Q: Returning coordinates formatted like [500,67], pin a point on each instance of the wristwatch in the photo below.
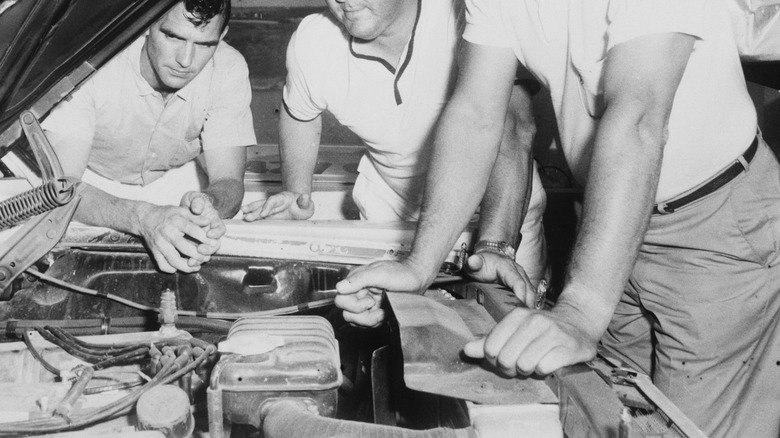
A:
[496,247]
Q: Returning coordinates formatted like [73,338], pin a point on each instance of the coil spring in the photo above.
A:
[41,199]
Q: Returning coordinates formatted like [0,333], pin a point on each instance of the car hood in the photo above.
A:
[48,47]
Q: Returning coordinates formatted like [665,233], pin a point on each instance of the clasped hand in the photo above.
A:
[182,238]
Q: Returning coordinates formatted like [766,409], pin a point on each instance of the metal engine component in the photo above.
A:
[306,367]
[165,408]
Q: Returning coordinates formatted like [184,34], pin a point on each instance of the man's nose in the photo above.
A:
[185,55]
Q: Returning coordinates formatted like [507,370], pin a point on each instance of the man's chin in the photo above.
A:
[174,84]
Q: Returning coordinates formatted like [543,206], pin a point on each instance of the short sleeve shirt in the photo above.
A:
[135,136]
[564,43]
[393,110]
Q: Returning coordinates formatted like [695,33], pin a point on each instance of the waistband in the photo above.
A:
[740,165]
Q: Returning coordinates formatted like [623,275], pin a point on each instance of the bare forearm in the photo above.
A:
[226,196]
[449,203]
[299,145]
[620,190]
[101,209]
[505,204]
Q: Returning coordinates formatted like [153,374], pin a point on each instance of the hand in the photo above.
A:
[284,205]
[179,239]
[488,267]
[360,294]
[531,341]
[208,218]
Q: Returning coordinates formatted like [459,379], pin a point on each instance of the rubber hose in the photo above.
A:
[286,418]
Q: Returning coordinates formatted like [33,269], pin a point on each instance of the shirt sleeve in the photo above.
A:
[483,24]
[300,88]
[229,119]
[70,127]
[630,19]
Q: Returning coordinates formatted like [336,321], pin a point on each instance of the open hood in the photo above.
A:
[48,47]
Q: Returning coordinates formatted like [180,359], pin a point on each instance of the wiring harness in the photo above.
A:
[169,359]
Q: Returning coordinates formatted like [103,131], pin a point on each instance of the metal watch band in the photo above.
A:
[497,247]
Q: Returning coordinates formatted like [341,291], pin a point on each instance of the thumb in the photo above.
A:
[363,277]
[475,349]
[304,201]
[475,262]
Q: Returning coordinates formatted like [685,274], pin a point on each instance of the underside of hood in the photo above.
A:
[48,47]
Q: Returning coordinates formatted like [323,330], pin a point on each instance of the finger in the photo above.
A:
[187,249]
[475,262]
[173,259]
[162,263]
[198,204]
[304,201]
[355,303]
[252,210]
[501,333]
[366,319]
[514,277]
[207,250]
[528,362]
[525,348]
[197,233]
[558,357]
[273,204]
[217,231]
[364,277]
[475,349]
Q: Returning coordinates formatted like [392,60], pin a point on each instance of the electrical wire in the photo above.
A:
[170,372]
[31,348]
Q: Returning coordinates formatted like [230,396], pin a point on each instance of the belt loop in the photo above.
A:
[744,163]
[661,207]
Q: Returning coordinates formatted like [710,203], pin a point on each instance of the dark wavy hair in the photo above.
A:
[204,10]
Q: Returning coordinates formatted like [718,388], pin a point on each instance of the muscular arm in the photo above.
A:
[465,150]
[225,169]
[641,79]
[506,199]
[509,188]
[177,238]
[299,143]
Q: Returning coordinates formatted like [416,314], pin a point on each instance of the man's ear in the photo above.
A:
[224,32]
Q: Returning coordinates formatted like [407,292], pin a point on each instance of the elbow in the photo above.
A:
[652,132]
[519,131]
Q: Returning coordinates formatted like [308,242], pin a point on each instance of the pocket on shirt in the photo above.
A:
[186,152]
[591,87]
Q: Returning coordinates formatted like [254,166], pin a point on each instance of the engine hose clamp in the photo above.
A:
[105,324]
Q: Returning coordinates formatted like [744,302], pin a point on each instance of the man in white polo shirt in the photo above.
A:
[132,133]
[676,264]
[385,69]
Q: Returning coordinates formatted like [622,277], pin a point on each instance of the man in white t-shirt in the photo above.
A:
[385,69]
[132,133]
[675,266]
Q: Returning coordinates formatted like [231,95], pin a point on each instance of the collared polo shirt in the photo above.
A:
[564,43]
[135,135]
[393,110]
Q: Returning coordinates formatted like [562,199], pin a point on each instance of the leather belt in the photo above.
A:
[716,182]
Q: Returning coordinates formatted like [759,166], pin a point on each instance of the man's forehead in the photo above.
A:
[179,20]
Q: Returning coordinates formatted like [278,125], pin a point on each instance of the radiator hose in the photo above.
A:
[287,417]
